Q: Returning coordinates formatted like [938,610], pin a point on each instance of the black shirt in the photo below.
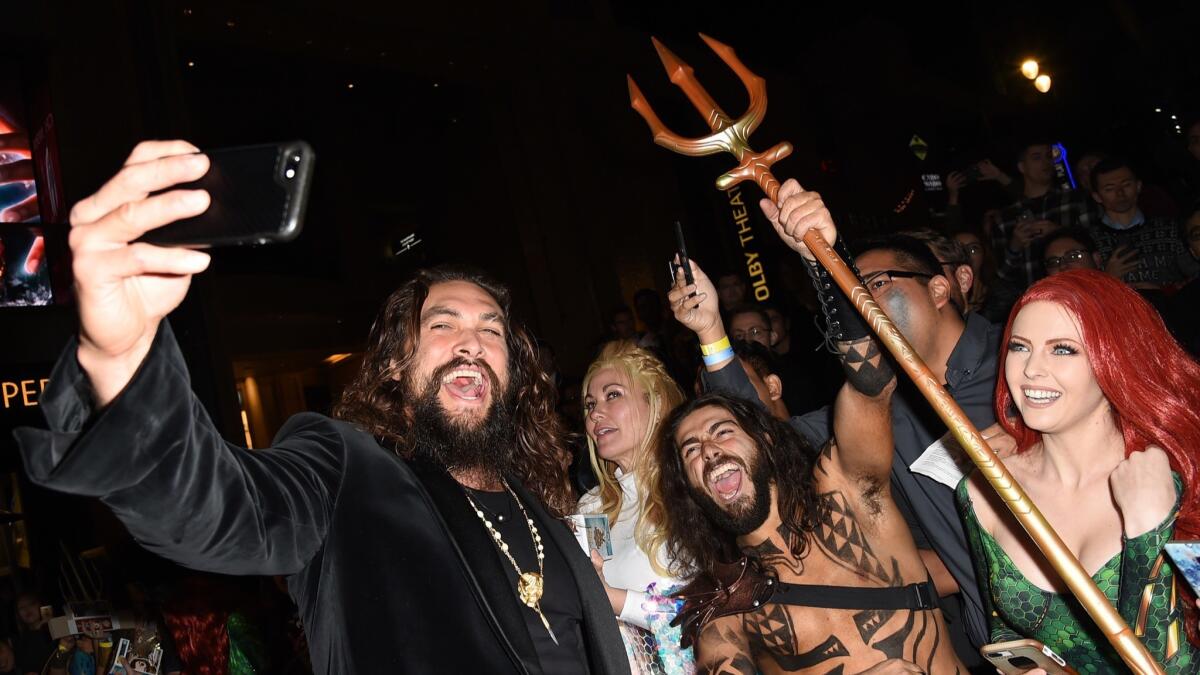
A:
[560,599]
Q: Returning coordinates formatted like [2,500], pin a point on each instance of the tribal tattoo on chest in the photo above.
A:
[771,631]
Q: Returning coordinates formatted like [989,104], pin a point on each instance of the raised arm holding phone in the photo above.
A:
[377,517]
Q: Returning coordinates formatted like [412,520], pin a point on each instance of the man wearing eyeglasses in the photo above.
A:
[751,324]
[912,286]
[1074,249]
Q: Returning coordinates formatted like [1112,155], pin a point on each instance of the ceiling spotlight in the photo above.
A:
[350,86]
[191,64]
[1029,69]
[1158,110]
[1174,117]
[1042,83]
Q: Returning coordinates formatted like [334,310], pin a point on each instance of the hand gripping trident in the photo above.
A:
[732,136]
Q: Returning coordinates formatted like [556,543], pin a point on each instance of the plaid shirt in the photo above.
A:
[1065,208]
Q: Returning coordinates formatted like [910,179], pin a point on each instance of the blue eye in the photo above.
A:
[1016,347]
[1064,350]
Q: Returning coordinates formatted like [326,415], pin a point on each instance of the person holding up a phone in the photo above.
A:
[376,516]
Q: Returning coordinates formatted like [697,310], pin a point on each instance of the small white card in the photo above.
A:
[944,460]
[591,531]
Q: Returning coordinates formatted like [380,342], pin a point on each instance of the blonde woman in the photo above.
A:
[627,394]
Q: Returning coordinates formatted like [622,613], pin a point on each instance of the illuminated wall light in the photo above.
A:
[1174,117]
[1029,69]
[1158,110]
[191,64]
[1042,83]
[350,86]
[246,430]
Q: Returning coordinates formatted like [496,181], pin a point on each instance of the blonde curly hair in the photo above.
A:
[648,377]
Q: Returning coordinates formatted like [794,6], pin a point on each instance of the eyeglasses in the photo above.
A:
[882,280]
[750,333]
[1065,259]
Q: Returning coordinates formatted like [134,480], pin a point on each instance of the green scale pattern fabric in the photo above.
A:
[1018,609]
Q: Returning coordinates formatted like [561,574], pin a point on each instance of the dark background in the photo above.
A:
[500,134]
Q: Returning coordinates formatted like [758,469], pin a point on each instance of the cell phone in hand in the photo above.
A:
[1185,555]
[681,247]
[1020,656]
[258,196]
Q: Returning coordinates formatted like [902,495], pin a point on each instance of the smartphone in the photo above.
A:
[1186,557]
[1019,656]
[259,193]
[681,246]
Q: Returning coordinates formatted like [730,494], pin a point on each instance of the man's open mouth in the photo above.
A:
[725,480]
[466,383]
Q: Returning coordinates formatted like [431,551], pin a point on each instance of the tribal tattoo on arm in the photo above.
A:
[867,369]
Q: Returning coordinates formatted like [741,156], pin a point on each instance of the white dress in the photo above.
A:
[629,568]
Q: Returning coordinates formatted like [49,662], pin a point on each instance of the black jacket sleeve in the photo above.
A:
[155,458]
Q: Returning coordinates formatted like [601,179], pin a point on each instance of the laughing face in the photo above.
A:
[462,345]
[617,414]
[724,471]
[1048,372]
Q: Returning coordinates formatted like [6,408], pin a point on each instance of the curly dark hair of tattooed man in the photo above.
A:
[375,399]
[695,544]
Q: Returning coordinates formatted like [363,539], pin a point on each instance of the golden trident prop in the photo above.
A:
[733,136]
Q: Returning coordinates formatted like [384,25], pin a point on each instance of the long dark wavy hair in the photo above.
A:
[375,399]
[694,544]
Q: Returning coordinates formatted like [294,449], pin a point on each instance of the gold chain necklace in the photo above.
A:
[529,584]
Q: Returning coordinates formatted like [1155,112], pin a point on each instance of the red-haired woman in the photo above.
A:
[1104,405]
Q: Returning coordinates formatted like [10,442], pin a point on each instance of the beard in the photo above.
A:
[482,446]
[746,514]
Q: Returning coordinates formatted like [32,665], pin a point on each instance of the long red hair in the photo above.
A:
[1152,384]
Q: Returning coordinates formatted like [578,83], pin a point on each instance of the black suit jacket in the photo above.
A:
[390,568]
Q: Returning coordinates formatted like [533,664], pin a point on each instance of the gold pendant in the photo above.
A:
[529,588]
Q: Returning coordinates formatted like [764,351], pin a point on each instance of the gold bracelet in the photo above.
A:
[713,348]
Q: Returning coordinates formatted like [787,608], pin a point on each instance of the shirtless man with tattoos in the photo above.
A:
[826,577]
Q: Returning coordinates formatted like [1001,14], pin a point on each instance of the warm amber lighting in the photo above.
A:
[1042,83]
[1029,69]
[334,359]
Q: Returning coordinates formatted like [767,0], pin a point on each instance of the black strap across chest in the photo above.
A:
[913,596]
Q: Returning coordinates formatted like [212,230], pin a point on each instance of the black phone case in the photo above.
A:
[253,202]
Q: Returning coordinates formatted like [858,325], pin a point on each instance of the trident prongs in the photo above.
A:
[732,136]
[728,135]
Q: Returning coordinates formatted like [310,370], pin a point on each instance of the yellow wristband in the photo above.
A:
[715,347]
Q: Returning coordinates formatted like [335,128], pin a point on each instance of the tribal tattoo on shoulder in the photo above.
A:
[773,557]
[867,369]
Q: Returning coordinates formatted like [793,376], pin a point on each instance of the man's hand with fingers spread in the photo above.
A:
[124,289]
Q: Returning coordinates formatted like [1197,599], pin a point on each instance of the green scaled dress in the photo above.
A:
[1140,582]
